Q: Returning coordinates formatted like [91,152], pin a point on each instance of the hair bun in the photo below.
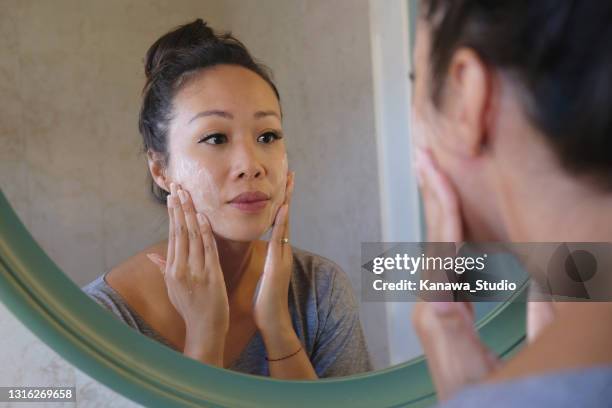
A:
[187,36]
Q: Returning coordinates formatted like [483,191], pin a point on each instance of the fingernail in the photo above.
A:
[152,258]
[183,196]
[201,218]
[170,201]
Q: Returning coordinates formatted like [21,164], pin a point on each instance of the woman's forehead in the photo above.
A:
[228,88]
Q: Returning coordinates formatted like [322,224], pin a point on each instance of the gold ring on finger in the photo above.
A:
[284,241]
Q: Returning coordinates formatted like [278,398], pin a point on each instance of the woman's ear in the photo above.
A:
[468,100]
[157,167]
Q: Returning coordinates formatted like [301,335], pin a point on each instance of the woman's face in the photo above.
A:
[226,149]
[452,135]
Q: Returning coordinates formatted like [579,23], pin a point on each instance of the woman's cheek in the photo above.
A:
[200,184]
[284,165]
[280,186]
[284,174]
[277,201]
[206,192]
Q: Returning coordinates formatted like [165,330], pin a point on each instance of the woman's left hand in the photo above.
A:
[456,356]
[286,356]
[271,311]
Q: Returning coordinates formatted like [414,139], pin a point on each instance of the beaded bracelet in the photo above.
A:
[283,358]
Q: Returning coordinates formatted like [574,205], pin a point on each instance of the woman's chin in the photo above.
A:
[241,234]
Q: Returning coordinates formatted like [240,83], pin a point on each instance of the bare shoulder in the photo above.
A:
[138,280]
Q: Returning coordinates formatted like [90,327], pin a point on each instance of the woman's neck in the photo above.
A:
[555,208]
[234,258]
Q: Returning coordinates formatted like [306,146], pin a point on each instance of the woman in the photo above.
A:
[511,107]
[211,125]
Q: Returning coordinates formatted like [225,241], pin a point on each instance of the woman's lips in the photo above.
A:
[252,207]
[250,202]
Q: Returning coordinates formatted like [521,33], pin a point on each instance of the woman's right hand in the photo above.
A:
[456,357]
[194,279]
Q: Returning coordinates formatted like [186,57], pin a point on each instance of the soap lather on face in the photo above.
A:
[246,152]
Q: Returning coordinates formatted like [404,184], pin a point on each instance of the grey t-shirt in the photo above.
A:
[323,309]
[585,388]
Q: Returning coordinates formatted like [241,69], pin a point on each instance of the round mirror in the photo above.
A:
[72,171]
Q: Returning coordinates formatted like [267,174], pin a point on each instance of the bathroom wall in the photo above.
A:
[70,81]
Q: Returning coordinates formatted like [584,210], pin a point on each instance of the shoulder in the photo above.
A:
[138,281]
[556,389]
[312,267]
[320,274]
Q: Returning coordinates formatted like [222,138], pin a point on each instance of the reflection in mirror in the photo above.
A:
[76,174]
[211,124]
[80,184]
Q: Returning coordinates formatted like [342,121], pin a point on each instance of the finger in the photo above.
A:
[440,199]
[278,231]
[456,315]
[171,234]
[539,315]
[289,186]
[180,236]
[438,182]
[211,253]
[289,197]
[493,359]
[195,247]
[431,207]
[441,188]
[158,261]
[467,313]
[455,353]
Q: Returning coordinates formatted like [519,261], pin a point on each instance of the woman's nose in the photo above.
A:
[246,164]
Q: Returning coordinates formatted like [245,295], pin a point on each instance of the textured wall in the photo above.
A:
[70,79]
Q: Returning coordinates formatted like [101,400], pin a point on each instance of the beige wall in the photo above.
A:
[70,80]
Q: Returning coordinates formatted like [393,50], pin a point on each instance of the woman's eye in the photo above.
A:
[217,138]
[268,137]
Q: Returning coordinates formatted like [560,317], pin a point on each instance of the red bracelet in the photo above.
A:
[282,358]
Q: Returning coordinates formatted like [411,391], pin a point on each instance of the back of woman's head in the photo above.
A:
[169,64]
[559,52]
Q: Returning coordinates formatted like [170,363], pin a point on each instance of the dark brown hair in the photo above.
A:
[561,55]
[169,64]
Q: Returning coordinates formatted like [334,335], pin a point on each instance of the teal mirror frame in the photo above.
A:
[54,308]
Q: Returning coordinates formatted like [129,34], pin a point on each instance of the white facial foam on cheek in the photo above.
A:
[206,195]
[282,188]
[199,183]
[285,164]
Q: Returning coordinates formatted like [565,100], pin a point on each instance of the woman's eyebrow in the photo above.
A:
[227,115]
[263,114]
[220,113]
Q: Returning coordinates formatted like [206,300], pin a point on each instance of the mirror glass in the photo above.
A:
[73,166]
